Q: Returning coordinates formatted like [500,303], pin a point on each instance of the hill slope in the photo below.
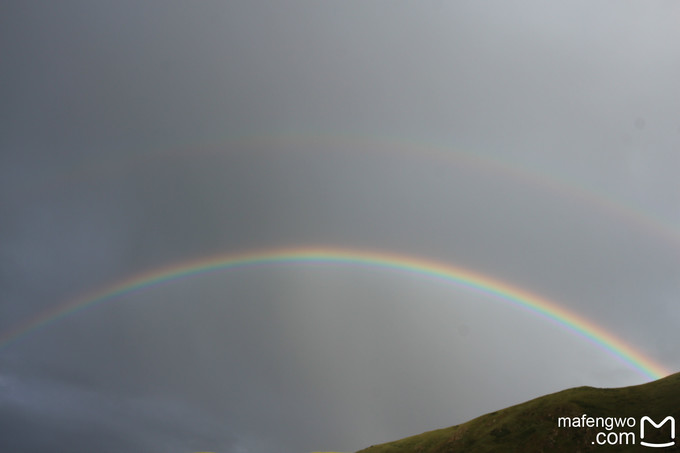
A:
[533,426]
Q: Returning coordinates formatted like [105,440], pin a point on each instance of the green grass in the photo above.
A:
[531,427]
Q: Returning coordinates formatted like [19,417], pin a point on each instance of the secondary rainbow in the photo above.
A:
[401,263]
[418,149]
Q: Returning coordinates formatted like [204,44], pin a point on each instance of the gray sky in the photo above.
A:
[535,143]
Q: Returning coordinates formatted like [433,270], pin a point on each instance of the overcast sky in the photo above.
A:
[537,143]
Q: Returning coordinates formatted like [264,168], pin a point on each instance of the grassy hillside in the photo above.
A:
[533,426]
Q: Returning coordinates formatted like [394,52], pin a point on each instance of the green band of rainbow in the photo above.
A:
[413,265]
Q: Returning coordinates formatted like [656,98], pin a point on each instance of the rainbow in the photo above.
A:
[325,143]
[400,263]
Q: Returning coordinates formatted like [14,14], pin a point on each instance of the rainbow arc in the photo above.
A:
[483,284]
